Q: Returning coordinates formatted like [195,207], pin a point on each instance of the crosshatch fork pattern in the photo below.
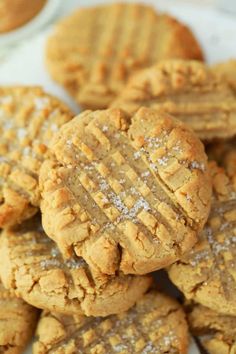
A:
[94,51]
[28,119]
[156,324]
[214,329]
[189,90]
[211,264]
[105,190]
[34,269]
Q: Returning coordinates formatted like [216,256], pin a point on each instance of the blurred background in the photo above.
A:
[212,21]
[22,19]
[38,15]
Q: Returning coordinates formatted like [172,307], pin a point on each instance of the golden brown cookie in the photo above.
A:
[17,322]
[156,324]
[227,70]
[217,333]
[33,267]
[207,273]
[125,194]
[187,89]
[28,119]
[15,13]
[93,51]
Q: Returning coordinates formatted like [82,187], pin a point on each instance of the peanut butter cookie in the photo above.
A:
[17,322]
[217,333]
[32,266]
[93,51]
[187,89]
[227,70]
[28,119]
[156,324]
[207,273]
[125,194]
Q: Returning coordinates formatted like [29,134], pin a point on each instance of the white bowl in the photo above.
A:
[48,12]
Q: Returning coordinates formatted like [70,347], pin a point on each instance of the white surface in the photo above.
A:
[215,30]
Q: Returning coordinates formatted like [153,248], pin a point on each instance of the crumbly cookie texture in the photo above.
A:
[93,51]
[187,89]
[33,267]
[229,163]
[216,332]
[124,194]
[28,119]
[17,322]
[227,70]
[224,152]
[156,324]
[15,13]
[207,273]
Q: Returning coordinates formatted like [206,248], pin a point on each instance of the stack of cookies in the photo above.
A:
[92,204]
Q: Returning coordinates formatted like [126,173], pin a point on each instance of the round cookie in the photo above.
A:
[227,70]
[17,322]
[32,266]
[187,89]
[156,324]
[216,332]
[125,194]
[93,51]
[207,273]
[28,119]
[15,13]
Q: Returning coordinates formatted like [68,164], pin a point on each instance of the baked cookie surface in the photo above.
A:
[207,273]
[156,324]
[33,268]
[125,194]
[17,322]
[187,89]
[227,70]
[216,332]
[28,119]
[93,51]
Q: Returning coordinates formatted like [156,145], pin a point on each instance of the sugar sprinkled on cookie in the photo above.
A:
[155,324]
[32,267]
[28,119]
[133,197]
[207,273]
